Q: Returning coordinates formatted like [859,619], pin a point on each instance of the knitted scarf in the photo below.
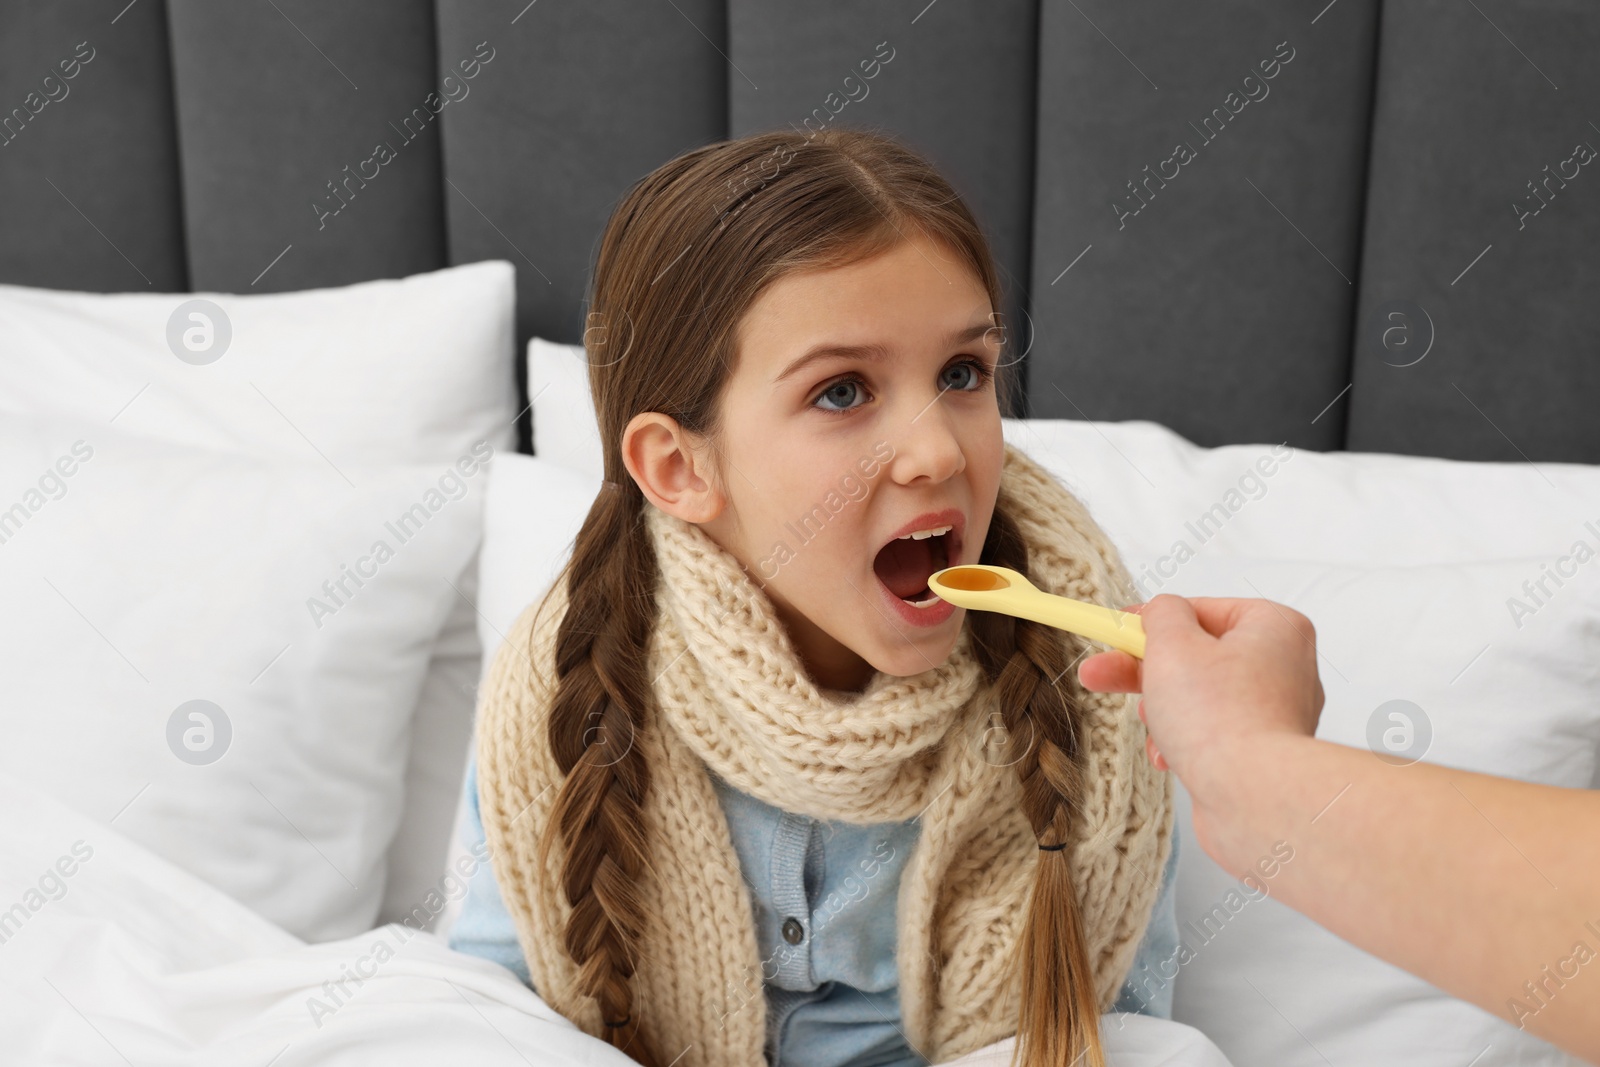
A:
[732,695]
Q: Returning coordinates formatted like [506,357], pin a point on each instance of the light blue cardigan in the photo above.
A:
[824,897]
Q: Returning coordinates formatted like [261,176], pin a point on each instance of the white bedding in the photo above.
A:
[109,953]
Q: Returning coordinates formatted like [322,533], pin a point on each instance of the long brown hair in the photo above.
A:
[686,252]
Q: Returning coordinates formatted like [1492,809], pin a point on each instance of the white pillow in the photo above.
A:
[534,511]
[301,606]
[532,514]
[399,370]
[441,730]
[1488,692]
[564,426]
[384,385]
[1152,489]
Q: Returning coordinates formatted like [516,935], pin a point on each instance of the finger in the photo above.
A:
[1219,614]
[1169,619]
[1179,618]
[1113,671]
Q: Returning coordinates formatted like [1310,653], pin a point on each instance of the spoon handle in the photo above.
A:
[1120,629]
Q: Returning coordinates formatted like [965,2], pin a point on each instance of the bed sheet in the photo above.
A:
[109,953]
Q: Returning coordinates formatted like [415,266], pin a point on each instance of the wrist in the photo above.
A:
[1238,787]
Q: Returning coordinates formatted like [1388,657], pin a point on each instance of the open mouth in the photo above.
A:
[904,564]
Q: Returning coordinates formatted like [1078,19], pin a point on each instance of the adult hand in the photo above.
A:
[1215,669]
[1217,672]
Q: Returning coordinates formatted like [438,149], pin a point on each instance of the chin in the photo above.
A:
[902,659]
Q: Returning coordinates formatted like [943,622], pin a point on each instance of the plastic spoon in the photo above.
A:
[981,587]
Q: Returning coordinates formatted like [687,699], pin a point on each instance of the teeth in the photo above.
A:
[923,535]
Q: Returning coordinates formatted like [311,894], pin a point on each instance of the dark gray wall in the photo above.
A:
[1277,281]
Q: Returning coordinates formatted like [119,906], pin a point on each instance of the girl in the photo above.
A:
[751,791]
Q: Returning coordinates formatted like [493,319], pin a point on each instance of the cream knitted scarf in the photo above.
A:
[733,696]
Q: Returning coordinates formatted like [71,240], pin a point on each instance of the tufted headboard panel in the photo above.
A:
[1345,225]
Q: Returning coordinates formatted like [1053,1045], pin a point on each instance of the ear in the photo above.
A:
[672,467]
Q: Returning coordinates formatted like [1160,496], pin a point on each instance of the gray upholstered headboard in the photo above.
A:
[1340,223]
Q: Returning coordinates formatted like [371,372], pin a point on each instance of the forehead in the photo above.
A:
[917,291]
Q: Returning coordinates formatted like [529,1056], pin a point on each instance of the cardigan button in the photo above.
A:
[793,932]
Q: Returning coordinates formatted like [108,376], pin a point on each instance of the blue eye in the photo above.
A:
[981,374]
[840,390]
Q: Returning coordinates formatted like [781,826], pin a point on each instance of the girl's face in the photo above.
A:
[827,458]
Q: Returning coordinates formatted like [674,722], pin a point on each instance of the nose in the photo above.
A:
[927,446]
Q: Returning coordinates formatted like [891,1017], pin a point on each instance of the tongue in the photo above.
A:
[904,566]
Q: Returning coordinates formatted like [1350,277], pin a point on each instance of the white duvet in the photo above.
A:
[109,954]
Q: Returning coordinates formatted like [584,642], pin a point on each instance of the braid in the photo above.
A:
[1024,661]
[602,694]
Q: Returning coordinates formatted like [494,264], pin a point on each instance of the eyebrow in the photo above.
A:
[875,352]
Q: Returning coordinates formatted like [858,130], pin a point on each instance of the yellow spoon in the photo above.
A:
[980,587]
